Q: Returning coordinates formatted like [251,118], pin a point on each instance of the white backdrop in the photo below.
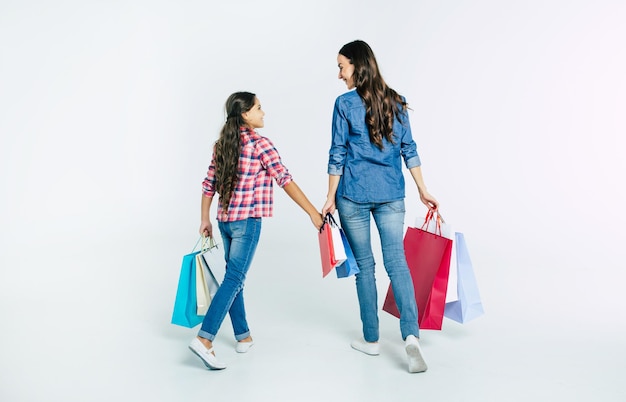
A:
[108,111]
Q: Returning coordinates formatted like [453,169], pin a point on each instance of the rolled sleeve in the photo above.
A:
[338,149]
[413,162]
[408,148]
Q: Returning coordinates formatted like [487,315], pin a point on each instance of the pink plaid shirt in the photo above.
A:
[259,163]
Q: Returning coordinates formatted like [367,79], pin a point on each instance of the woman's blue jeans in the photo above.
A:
[240,240]
[389,219]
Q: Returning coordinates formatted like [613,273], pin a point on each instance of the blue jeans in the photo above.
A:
[240,240]
[389,219]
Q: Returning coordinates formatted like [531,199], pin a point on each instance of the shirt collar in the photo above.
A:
[247,132]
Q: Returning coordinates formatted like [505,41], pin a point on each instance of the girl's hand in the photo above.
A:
[206,228]
[317,220]
[431,203]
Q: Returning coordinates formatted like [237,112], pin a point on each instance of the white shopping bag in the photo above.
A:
[203,297]
[214,265]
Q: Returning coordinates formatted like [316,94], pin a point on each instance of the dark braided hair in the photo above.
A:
[381,102]
[228,146]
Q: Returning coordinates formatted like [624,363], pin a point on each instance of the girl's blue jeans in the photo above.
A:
[240,240]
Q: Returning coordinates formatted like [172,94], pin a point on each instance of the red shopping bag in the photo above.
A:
[332,249]
[428,256]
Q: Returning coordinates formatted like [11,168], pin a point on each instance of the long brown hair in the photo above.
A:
[228,146]
[381,101]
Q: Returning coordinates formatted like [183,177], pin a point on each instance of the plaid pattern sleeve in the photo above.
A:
[208,184]
[259,165]
[271,161]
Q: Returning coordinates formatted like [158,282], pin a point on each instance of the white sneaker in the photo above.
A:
[369,348]
[207,356]
[243,347]
[414,355]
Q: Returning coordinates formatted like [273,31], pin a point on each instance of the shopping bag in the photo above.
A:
[436,224]
[185,305]
[349,267]
[203,298]
[332,250]
[214,264]
[468,306]
[428,257]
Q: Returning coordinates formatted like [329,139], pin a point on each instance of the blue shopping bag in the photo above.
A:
[468,306]
[185,305]
[349,266]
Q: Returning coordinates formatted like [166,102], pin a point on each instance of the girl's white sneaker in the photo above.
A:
[243,347]
[206,355]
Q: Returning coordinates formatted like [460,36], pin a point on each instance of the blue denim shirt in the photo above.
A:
[368,174]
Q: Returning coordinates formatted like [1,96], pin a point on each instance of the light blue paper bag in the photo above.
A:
[468,306]
[185,305]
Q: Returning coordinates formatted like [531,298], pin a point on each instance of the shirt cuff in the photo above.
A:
[335,170]
[413,162]
[284,180]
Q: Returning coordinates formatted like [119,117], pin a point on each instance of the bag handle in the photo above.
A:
[330,220]
[198,242]
[208,242]
[429,217]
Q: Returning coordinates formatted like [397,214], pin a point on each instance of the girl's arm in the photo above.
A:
[206,228]
[298,196]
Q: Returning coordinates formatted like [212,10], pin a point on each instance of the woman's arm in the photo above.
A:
[426,198]
[333,183]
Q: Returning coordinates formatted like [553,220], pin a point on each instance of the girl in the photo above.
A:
[242,168]
[371,135]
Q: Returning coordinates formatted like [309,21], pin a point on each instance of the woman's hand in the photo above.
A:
[329,206]
[431,202]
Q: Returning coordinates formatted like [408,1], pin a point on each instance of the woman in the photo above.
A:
[242,168]
[371,136]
